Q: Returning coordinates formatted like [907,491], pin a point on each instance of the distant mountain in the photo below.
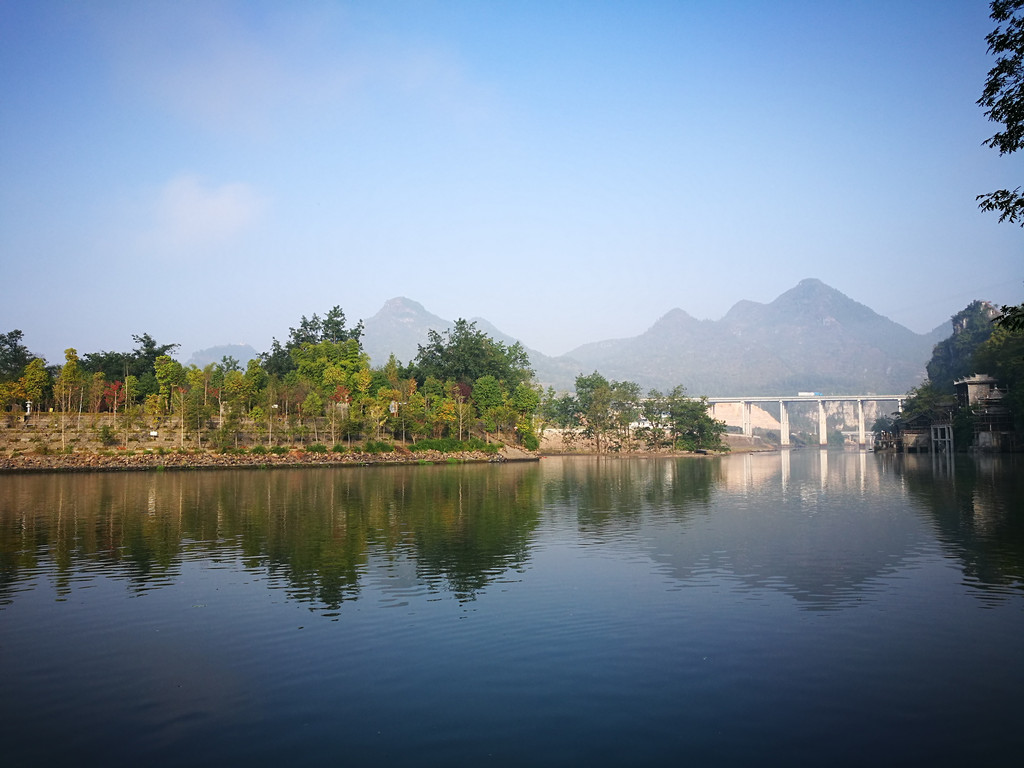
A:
[243,353]
[402,325]
[811,338]
[399,326]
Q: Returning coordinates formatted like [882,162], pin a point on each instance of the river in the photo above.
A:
[802,608]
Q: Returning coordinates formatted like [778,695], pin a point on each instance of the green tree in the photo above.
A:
[464,354]
[14,355]
[331,328]
[1002,356]
[926,400]
[488,397]
[139,363]
[68,391]
[1003,100]
[35,382]
[594,407]
[312,408]
[953,358]
[626,401]
[169,374]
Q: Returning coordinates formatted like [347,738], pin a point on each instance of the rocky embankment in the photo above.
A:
[128,461]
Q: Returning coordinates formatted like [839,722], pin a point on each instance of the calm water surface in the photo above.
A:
[798,609]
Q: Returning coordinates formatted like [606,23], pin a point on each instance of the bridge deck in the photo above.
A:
[802,398]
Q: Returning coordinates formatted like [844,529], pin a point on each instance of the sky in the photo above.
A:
[209,172]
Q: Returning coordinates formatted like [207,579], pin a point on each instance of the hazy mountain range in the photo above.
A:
[811,338]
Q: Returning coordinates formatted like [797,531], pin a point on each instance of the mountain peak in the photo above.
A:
[813,299]
[400,305]
[397,328]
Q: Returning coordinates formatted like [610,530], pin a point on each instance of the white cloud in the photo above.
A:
[215,67]
[191,213]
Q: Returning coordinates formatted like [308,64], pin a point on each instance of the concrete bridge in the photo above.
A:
[808,397]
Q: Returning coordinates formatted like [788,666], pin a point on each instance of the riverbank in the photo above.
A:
[115,461]
[35,448]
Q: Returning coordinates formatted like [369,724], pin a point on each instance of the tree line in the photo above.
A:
[317,387]
[616,416]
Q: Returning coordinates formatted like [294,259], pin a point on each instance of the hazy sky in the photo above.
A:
[207,172]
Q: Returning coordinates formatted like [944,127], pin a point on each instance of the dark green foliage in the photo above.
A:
[258,450]
[279,450]
[107,435]
[377,446]
[882,425]
[1011,317]
[316,448]
[14,355]
[464,354]
[338,448]
[1003,100]
[953,358]
[454,445]
[529,439]
[314,330]
[140,362]
[1002,356]
[277,362]
[925,400]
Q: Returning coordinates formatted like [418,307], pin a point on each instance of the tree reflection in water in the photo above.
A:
[317,529]
[976,505]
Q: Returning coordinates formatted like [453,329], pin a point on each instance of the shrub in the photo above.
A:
[278,450]
[377,446]
[316,448]
[106,435]
[338,448]
[454,445]
[529,440]
[258,450]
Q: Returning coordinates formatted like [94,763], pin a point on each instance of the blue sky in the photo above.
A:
[208,172]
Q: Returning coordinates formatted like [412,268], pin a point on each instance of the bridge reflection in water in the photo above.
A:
[747,402]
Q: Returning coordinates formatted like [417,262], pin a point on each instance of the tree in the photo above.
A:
[626,401]
[14,355]
[169,374]
[35,382]
[68,390]
[1003,100]
[279,360]
[1002,356]
[333,327]
[594,406]
[464,354]
[953,358]
[488,397]
[139,363]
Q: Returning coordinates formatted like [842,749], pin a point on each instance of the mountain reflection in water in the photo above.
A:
[819,530]
[814,607]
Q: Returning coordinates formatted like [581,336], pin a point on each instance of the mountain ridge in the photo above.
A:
[811,337]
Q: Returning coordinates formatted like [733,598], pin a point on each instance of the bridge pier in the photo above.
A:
[747,404]
[860,423]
